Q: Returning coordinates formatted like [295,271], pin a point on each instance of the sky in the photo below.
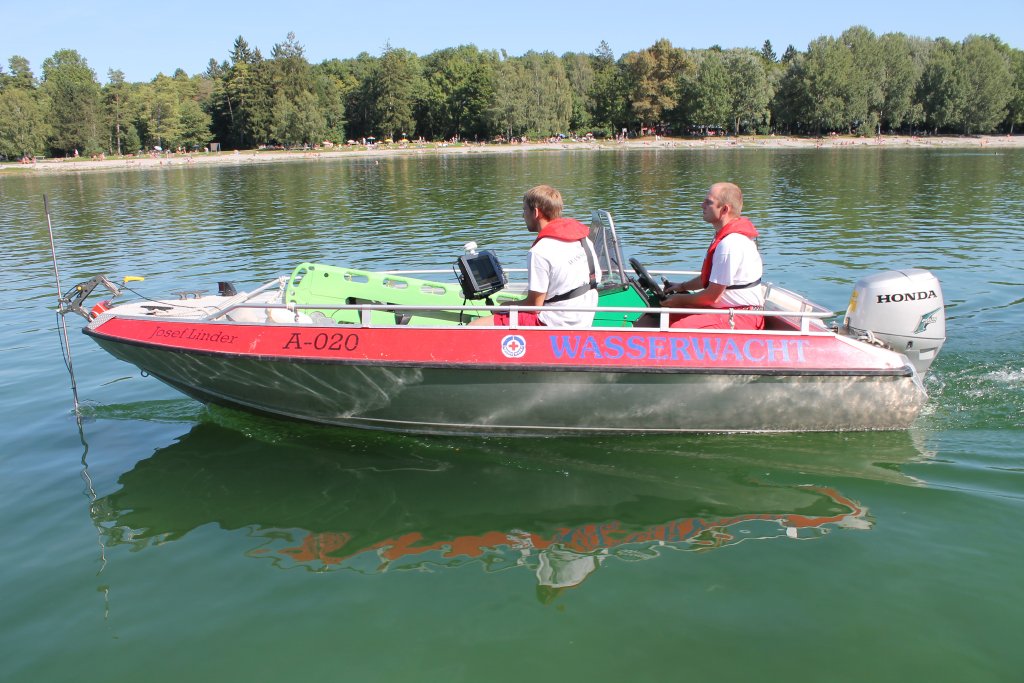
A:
[146,38]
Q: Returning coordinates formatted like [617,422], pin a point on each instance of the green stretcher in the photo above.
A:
[312,284]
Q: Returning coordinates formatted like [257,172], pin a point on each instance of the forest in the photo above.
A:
[858,83]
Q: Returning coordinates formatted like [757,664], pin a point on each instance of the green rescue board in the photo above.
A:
[312,284]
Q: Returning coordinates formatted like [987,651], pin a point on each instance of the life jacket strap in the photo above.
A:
[749,284]
[582,289]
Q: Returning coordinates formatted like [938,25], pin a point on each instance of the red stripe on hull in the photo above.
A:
[530,347]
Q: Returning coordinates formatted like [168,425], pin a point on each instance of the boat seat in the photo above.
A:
[779,324]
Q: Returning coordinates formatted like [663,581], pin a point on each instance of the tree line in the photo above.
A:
[857,83]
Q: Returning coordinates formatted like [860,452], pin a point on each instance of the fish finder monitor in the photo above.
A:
[480,274]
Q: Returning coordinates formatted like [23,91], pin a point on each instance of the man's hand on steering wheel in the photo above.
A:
[646,281]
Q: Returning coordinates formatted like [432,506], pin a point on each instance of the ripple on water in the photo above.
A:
[982,391]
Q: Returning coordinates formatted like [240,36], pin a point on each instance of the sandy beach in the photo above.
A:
[168,160]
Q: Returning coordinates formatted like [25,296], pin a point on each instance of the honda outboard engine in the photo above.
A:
[903,309]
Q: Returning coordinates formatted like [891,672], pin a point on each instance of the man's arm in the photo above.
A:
[534,298]
[705,298]
[690,285]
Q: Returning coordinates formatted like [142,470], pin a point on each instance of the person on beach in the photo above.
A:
[730,276]
[562,267]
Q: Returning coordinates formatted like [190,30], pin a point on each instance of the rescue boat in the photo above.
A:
[393,351]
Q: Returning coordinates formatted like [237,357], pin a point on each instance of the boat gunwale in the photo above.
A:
[903,371]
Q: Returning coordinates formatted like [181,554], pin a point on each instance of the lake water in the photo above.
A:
[168,541]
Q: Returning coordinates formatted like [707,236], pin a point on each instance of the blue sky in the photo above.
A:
[144,39]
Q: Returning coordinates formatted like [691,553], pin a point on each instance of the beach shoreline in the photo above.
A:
[378,151]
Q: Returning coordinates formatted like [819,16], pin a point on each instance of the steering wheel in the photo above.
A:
[646,281]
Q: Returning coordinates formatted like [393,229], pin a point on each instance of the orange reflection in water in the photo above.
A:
[564,556]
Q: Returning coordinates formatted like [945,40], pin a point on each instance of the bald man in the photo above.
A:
[730,276]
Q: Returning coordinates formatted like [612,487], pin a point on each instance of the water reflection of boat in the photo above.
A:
[556,507]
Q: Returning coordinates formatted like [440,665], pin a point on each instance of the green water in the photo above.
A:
[168,541]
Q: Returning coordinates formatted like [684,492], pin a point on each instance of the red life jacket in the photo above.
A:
[740,225]
[563,229]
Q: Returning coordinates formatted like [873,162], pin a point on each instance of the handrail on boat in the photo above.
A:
[794,307]
[448,271]
[366,309]
[279,282]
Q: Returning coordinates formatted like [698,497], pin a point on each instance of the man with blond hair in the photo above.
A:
[561,266]
[730,277]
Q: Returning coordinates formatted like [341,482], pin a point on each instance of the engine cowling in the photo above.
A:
[902,308]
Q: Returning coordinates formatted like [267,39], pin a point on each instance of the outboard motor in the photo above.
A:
[903,309]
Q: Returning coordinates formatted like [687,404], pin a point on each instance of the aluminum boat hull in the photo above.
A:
[535,381]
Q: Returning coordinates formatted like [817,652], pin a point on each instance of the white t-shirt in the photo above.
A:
[737,262]
[555,267]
